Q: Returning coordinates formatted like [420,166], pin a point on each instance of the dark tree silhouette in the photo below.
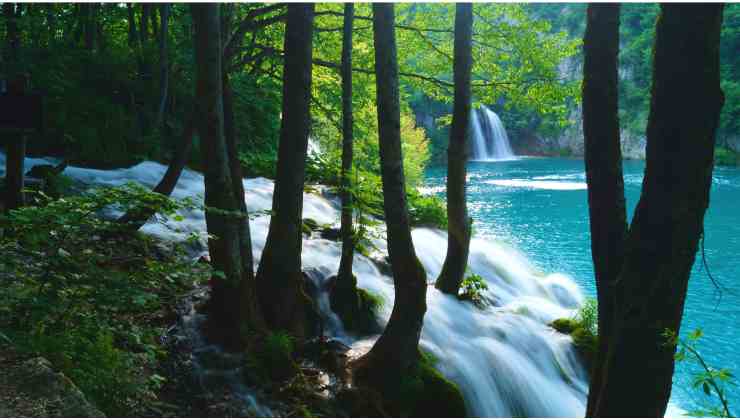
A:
[234,307]
[396,351]
[603,158]
[458,222]
[279,277]
[662,241]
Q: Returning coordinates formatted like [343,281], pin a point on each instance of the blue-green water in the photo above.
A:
[539,205]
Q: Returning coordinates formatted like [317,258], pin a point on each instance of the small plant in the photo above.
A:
[712,381]
[427,210]
[588,316]
[88,295]
[725,157]
[272,359]
[472,288]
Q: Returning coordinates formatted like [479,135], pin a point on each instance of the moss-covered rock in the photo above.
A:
[585,342]
[422,391]
[438,396]
[356,307]
[309,225]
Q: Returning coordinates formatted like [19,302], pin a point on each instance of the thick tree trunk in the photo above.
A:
[458,222]
[345,280]
[229,312]
[279,277]
[396,351]
[603,159]
[136,218]
[668,221]
[164,15]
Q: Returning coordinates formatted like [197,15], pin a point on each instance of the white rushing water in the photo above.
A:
[505,358]
[489,140]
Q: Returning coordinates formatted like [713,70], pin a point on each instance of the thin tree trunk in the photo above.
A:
[228,310]
[248,292]
[279,277]
[144,23]
[88,25]
[136,218]
[344,276]
[397,349]
[603,159]
[133,36]
[164,15]
[662,242]
[15,141]
[458,222]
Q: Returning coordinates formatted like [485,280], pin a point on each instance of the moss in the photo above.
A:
[424,392]
[564,325]
[726,157]
[585,341]
[356,307]
[309,225]
[272,359]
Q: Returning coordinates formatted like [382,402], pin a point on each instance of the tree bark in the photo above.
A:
[144,23]
[397,349]
[458,222]
[345,280]
[133,36]
[228,310]
[603,159]
[662,242]
[279,277]
[164,15]
[15,141]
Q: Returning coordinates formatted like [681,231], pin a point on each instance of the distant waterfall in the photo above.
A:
[489,139]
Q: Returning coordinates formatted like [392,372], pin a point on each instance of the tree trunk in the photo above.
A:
[248,292]
[136,218]
[228,311]
[15,141]
[397,349]
[345,281]
[146,9]
[458,222]
[279,277]
[133,36]
[88,25]
[603,158]
[668,221]
[164,15]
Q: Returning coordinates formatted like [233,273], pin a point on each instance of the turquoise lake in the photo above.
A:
[539,206]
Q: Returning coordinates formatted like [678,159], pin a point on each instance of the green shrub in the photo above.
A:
[583,329]
[712,381]
[471,288]
[427,210]
[272,360]
[259,164]
[725,157]
[90,298]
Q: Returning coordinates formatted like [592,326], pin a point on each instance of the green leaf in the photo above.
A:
[707,390]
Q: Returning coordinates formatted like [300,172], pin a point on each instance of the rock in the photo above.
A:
[331,233]
[361,402]
[51,393]
[356,307]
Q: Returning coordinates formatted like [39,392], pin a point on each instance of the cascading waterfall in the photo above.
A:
[505,358]
[489,138]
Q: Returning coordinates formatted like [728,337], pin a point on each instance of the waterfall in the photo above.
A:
[507,361]
[489,138]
